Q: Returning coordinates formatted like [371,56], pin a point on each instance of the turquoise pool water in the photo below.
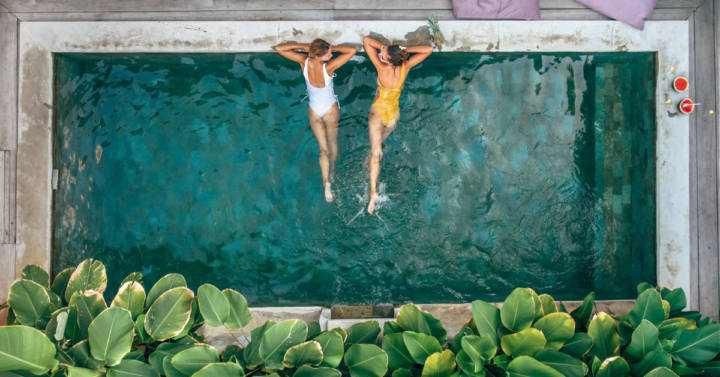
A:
[506,170]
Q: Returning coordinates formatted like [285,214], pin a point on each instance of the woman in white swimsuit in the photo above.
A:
[324,112]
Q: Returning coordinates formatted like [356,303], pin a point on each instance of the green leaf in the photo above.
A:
[221,370]
[525,366]
[73,333]
[402,372]
[695,347]
[653,360]
[677,300]
[642,287]
[213,305]
[55,329]
[137,354]
[644,341]
[548,304]
[191,360]
[278,339]
[367,360]
[480,349]
[563,363]
[132,368]
[667,345]
[169,314]
[606,341]
[306,371]
[82,357]
[194,313]
[163,285]
[36,273]
[142,336]
[440,364]
[705,321]
[29,301]
[251,353]
[467,365]
[63,357]
[89,276]
[166,351]
[562,308]
[614,366]
[670,327]
[456,344]
[232,350]
[362,333]
[332,348]
[135,276]
[410,318]
[340,331]
[711,369]
[169,370]
[391,327]
[131,297]
[682,370]
[313,329]
[26,348]
[525,343]
[111,335]
[661,372]
[436,328]
[420,346]
[625,330]
[557,328]
[61,281]
[398,354]
[538,305]
[89,305]
[83,372]
[487,319]
[502,361]
[518,310]
[648,306]
[583,313]
[308,353]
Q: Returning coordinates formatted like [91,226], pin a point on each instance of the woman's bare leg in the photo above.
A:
[331,119]
[378,134]
[318,127]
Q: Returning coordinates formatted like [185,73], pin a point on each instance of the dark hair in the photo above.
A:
[397,55]
[318,48]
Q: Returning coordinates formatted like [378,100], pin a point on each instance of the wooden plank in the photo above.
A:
[692,295]
[447,4]
[707,162]
[566,4]
[8,81]
[160,5]
[717,112]
[3,9]
[3,195]
[671,14]
[382,15]
[7,270]
[253,15]
[9,213]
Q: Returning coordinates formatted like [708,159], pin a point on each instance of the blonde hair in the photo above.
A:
[318,48]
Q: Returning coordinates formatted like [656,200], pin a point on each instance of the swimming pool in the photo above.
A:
[506,170]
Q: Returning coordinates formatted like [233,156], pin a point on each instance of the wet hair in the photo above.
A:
[397,55]
[318,48]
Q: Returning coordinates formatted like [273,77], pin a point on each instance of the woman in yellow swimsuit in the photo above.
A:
[392,64]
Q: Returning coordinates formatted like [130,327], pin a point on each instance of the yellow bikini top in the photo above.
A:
[388,101]
[382,88]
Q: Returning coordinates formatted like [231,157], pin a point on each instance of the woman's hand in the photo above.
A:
[288,50]
[369,42]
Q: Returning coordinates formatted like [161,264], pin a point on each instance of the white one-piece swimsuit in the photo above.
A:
[321,99]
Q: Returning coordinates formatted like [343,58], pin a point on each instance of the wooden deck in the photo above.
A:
[704,23]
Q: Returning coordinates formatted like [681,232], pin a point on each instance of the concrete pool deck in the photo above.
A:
[39,40]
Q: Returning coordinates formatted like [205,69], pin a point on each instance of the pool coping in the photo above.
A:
[39,40]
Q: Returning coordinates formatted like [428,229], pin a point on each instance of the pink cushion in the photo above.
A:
[507,9]
[631,12]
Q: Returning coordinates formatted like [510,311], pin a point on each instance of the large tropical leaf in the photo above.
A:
[89,305]
[83,372]
[525,366]
[614,366]
[306,371]
[367,360]
[89,276]
[166,350]
[670,327]
[420,346]
[362,333]
[563,363]
[606,341]
[653,360]
[308,353]
[55,329]
[456,344]
[251,353]
[213,305]
[583,313]
[239,315]
[518,310]
[391,327]
[131,297]
[410,318]
[677,300]
[332,348]
[278,339]
[132,368]
[661,372]
[25,348]
[711,369]
[29,301]
[695,347]
[163,285]
[168,315]
[548,304]
[644,341]
[142,335]
[36,273]
[436,328]
[398,354]
[191,360]
[82,356]
[73,332]
[487,319]
[439,364]
[480,349]
[467,365]
[111,335]
[221,370]
[61,281]
[557,328]
[525,343]
[539,313]
[648,306]
[313,329]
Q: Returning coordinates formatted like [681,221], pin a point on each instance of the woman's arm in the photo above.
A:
[421,53]
[347,53]
[288,50]
[371,47]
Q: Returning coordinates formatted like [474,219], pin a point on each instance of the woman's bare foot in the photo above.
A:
[328,193]
[373,199]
